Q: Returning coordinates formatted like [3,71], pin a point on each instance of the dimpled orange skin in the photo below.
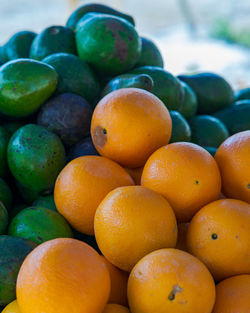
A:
[115,308]
[182,236]
[219,236]
[132,222]
[135,173]
[129,124]
[170,280]
[186,175]
[233,158]
[233,295]
[12,308]
[82,185]
[119,283]
[63,275]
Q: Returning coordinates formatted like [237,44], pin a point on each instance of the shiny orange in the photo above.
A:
[131,222]
[186,175]
[182,236]
[63,275]
[115,308]
[135,173]
[233,158]
[82,185]
[219,235]
[119,282]
[129,124]
[170,280]
[233,295]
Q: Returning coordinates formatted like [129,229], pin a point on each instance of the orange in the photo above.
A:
[63,275]
[182,236]
[233,295]
[219,235]
[186,175]
[170,280]
[129,124]
[12,308]
[233,158]
[115,308]
[131,222]
[135,173]
[82,185]
[119,282]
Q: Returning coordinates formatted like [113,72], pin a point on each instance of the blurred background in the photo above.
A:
[204,35]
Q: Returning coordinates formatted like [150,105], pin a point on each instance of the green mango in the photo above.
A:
[213,91]
[208,131]
[39,224]
[189,105]
[3,218]
[19,44]
[75,76]
[4,139]
[6,196]
[166,86]
[3,57]
[243,94]
[236,117]
[150,54]
[108,43]
[52,40]
[211,150]
[35,157]
[46,202]
[180,128]
[24,86]
[13,251]
[142,81]
[94,8]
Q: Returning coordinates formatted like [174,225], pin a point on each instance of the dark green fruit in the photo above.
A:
[4,139]
[150,54]
[236,117]
[180,128]
[142,81]
[28,195]
[166,86]
[213,91]
[189,105]
[75,76]
[35,157]
[94,8]
[108,43]
[11,127]
[211,150]
[13,251]
[24,85]
[39,224]
[243,94]
[6,196]
[18,46]
[3,57]
[53,39]
[81,148]
[208,131]
[46,202]
[67,115]
[3,219]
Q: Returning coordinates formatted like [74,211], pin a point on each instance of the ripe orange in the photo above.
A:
[82,185]
[233,295]
[182,236]
[129,124]
[131,222]
[219,236]
[135,173]
[233,158]
[115,308]
[170,280]
[186,175]
[12,308]
[63,275]
[119,282]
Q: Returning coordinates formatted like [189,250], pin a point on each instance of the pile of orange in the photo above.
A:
[166,239]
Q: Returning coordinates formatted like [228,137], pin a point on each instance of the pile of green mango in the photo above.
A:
[49,85]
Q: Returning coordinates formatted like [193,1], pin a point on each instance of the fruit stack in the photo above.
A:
[123,188]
